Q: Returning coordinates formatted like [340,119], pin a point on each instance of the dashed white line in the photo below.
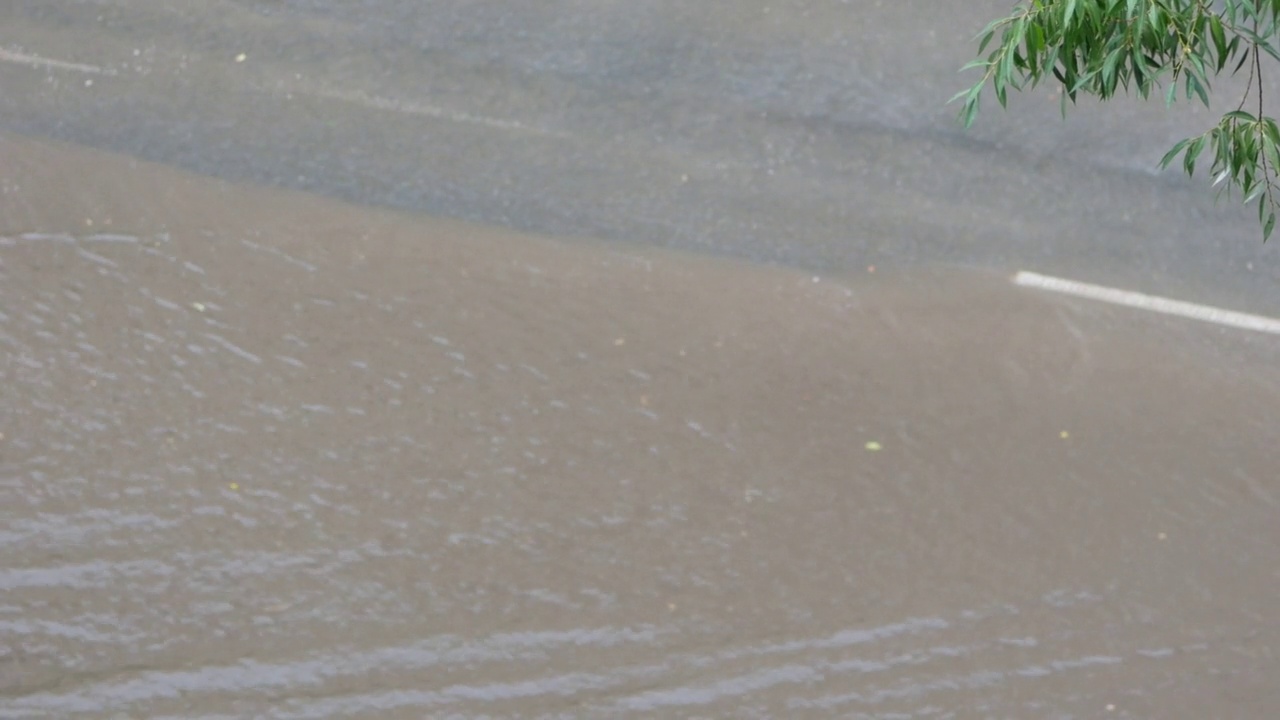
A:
[1128,298]
[377,102]
[18,57]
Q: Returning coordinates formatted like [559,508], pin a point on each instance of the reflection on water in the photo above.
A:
[269,456]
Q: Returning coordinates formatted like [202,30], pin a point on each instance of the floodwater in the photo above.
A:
[725,407]
[270,455]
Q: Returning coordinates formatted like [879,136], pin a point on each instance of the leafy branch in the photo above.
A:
[1101,47]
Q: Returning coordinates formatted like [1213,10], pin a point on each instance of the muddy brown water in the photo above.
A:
[269,455]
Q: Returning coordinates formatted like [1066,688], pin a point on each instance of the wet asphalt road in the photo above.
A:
[806,133]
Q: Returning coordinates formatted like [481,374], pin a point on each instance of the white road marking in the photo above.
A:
[1128,298]
[375,102]
[20,58]
[378,102]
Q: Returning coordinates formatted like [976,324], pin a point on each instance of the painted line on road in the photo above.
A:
[377,102]
[1128,298]
[17,57]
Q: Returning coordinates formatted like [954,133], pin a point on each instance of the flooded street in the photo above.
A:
[266,455]
[360,361]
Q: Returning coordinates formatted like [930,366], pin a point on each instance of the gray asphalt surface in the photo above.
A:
[807,133]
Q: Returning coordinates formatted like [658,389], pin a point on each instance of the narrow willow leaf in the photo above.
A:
[1269,49]
[1194,85]
[970,111]
[1272,130]
[1036,39]
[1254,193]
[994,25]
[1219,41]
[1269,156]
[1193,152]
[1109,71]
[986,40]
[1173,152]
[1197,62]
[960,94]
[1244,58]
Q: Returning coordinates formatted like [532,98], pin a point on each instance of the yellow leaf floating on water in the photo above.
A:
[1064,434]
[873,446]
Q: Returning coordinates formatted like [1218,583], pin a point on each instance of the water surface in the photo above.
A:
[270,455]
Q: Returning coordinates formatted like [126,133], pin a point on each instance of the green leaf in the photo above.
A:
[1194,85]
[986,40]
[971,110]
[1269,50]
[1173,152]
[1272,130]
[1270,158]
[992,26]
[1105,47]
[1197,62]
[1244,58]
[1268,226]
[962,93]
[1219,41]
[1254,193]
[1109,72]
[1193,152]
